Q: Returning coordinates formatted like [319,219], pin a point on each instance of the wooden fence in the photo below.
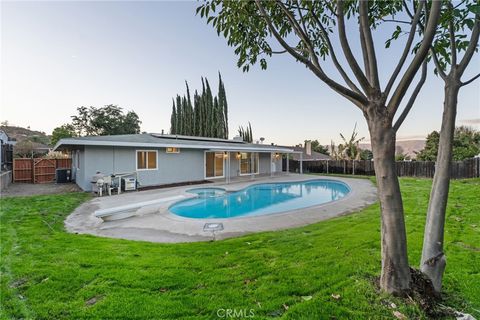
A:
[37,170]
[469,168]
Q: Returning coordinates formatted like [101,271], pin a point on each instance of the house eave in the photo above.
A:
[68,143]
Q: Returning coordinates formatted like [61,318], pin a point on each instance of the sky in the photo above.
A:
[57,56]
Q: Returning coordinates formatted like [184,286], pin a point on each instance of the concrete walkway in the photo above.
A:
[157,224]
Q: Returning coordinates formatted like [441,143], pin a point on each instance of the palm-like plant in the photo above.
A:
[349,149]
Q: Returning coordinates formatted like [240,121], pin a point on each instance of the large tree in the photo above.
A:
[303,30]
[458,34]
[107,120]
[64,131]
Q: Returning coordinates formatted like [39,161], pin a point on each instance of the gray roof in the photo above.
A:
[314,156]
[159,141]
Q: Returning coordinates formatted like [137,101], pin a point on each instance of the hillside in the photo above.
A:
[408,147]
[24,134]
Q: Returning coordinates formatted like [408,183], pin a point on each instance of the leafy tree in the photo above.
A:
[429,152]
[466,144]
[107,120]
[317,147]
[64,131]
[246,133]
[351,146]
[458,33]
[302,29]
[349,149]
[366,154]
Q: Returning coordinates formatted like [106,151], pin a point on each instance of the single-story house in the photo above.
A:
[303,154]
[159,159]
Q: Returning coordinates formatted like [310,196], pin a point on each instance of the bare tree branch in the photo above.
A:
[396,21]
[413,97]
[363,45]
[471,80]
[301,33]
[420,55]
[348,51]
[406,49]
[354,97]
[369,45]
[333,55]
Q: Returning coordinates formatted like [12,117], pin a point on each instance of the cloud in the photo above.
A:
[471,121]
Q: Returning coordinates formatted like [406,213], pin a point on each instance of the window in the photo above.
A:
[173,150]
[248,163]
[146,160]
[77,159]
[214,162]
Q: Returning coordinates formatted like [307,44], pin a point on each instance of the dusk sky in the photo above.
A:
[57,56]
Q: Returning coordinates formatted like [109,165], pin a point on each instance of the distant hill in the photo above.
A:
[408,147]
[24,134]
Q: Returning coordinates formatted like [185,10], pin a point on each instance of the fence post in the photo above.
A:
[33,170]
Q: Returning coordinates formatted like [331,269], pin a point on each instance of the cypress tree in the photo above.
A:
[207,116]
[222,100]
[179,115]
[216,122]
[173,119]
[196,111]
[209,123]
[190,112]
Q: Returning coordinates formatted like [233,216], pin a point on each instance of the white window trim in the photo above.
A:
[146,169]
[205,166]
[166,150]
[240,165]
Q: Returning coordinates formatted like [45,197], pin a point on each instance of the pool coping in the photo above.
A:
[158,224]
[264,214]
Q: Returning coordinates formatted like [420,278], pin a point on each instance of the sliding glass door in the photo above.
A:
[248,163]
[214,165]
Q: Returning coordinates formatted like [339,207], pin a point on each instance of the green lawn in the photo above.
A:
[47,273]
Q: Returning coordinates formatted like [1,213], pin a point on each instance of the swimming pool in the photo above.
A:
[260,199]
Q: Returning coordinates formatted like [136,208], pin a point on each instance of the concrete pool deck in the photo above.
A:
[156,224]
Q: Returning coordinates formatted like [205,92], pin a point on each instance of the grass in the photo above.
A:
[47,273]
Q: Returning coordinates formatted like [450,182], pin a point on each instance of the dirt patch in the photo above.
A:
[422,293]
[93,300]
[30,189]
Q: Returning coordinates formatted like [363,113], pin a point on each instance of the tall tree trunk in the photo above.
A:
[395,276]
[433,259]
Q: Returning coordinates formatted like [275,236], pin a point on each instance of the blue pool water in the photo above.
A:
[259,199]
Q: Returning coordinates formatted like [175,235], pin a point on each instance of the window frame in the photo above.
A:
[205,165]
[174,148]
[77,159]
[257,156]
[147,151]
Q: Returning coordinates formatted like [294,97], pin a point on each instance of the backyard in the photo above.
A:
[323,271]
